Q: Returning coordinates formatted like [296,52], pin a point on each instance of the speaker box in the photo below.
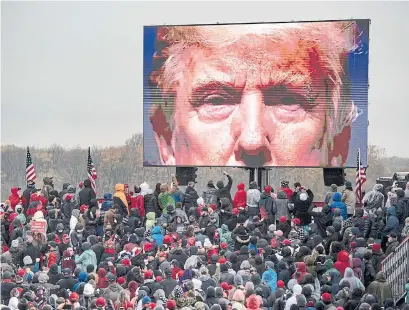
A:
[334,176]
[184,175]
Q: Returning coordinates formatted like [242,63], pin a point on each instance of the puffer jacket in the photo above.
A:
[151,204]
[226,236]
[338,204]
[374,200]
[86,258]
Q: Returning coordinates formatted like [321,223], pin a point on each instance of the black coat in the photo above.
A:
[224,191]
[301,207]
[168,285]
[151,204]
[86,194]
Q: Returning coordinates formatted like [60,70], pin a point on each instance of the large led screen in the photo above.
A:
[269,94]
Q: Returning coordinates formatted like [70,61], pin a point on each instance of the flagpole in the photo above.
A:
[359,178]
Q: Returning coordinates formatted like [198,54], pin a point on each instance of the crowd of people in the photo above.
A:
[163,248]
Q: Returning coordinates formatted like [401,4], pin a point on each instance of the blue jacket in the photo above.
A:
[107,203]
[270,277]
[392,222]
[157,235]
[338,204]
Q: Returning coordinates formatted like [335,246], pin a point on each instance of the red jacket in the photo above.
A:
[240,199]
[14,198]
[52,259]
[138,203]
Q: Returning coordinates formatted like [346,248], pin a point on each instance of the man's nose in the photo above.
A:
[252,140]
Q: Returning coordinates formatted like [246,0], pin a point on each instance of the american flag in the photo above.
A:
[92,173]
[30,171]
[360,177]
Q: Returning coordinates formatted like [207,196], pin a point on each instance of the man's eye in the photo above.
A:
[217,100]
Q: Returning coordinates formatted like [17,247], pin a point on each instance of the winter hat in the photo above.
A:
[148,274]
[280,284]
[253,302]
[121,281]
[74,297]
[21,272]
[287,242]
[326,297]
[27,260]
[14,243]
[296,221]
[100,302]
[283,219]
[355,231]
[331,229]
[171,304]
[207,243]
[146,300]
[88,289]
[111,277]
[365,306]
[167,239]
[7,275]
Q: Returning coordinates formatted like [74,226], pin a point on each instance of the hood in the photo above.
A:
[281,266]
[328,264]
[349,273]
[156,230]
[211,292]
[390,211]
[240,187]
[244,250]
[71,189]
[145,190]
[255,278]
[102,273]
[120,187]
[53,269]
[297,289]
[245,265]
[14,191]
[75,213]
[66,253]
[82,277]
[343,256]
[107,196]
[65,186]
[151,216]
[238,280]
[380,277]
[87,183]
[219,292]
[301,267]
[93,239]
[220,184]
[225,228]
[337,196]
[378,187]
[19,208]
[356,263]
[38,216]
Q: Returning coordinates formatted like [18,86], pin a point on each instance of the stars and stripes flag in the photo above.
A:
[30,171]
[360,177]
[91,172]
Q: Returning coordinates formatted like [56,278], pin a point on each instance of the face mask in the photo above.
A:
[60,231]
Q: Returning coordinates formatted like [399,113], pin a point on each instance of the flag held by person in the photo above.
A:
[91,172]
[360,178]
[30,170]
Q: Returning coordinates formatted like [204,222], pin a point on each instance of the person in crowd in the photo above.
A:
[86,194]
[222,253]
[349,198]
[328,196]
[374,199]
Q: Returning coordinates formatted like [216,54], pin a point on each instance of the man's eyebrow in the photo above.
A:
[211,83]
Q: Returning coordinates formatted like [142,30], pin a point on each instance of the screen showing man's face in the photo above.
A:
[254,95]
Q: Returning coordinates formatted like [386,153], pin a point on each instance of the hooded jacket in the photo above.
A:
[380,288]
[343,262]
[338,204]
[353,281]
[87,257]
[86,194]
[240,198]
[374,199]
[392,222]
[120,199]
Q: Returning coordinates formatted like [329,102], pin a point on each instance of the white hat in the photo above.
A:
[27,260]
[207,243]
[303,196]
[198,244]
[14,243]
[88,289]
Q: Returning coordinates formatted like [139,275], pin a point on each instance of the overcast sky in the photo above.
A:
[72,71]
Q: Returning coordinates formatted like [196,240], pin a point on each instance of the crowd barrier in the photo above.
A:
[396,268]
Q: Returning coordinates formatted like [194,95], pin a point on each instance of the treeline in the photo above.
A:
[124,165]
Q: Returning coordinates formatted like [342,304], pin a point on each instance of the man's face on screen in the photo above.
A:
[251,102]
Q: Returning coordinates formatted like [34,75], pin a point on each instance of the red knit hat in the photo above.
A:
[326,297]
[83,208]
[171,304]
[267,189]
[21,272]
[224,286]
[280,284]
[283,219]
[213,207]
[100,302]
[148,274]
[167,239]
[68,197]
[296,221]
[121,280]
[158,279]
[126,262]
